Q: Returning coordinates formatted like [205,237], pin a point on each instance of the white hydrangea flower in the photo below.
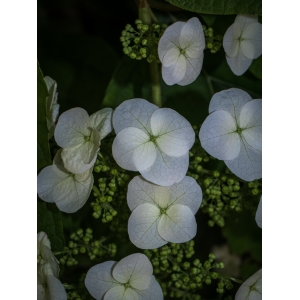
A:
[180,50]
[242,43]
[154,141]
[129,279]
[258,215]
[79,135]
[162,214]
[48,286]
[68,191]
[232,132]
[251,289]
[52,107]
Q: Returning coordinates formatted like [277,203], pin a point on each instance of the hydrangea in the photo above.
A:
[258,215]
[180,50]
[154,141]
[242,43]
[52,107]
[79,135]
[129,279]
[251,289]
[68,191]
[162,214]
[232,132]
[48,286]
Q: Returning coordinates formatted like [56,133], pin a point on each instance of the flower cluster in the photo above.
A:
[232,132]
[242,43]
[48,286]
[154,141]
[180,51]
[130,278]
[69,181]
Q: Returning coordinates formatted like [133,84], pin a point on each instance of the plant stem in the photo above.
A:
[145,15]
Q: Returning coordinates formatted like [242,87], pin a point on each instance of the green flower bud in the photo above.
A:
[136,40]
[138,22]
[216,174]
[139,26]
[230,181]
[229,286]
[214,275]
[96,215]
[209,45]
[109,217]
[210,34]
[186,265]
[197,263]
[144,42]
[236,188]
[221,265]
[97,169]
[220,291]
[145,27]
[255,191]
[208,280]
[82,249]
[124,32]
[211,223]
[75,251]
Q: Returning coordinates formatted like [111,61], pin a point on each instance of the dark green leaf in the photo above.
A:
[256,67]
[49,221]
[220,7]
[43,151]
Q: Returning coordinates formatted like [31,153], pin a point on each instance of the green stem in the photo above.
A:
[145,15]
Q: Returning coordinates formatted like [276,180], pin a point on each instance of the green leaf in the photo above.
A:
[256,67]
[49,221]
[220,7]
[43,150]
[130,80]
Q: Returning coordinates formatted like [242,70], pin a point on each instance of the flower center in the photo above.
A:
[87,138]
[239,130]
[182,51]
[152,138]
[162,211]
[126,285]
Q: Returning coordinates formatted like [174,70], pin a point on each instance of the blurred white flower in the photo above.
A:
[258,215]
[48,286]
[251,289]
[79,135]
[153,141]
[242,43]
[180,51]
[232,132]
[68,191]
[129,279]
[162,214]
[52,107]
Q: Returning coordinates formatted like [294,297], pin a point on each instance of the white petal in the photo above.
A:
[218,136]
[230,40]
[142,227]
[133,113]
[178,224]
[90,148]
[170,39]
[251,43]
[193,68]
[251,289]
[99,279]
[141,191]
[153,292]
[56,184]
[55,290]
[120,293]
[49,82]
[135,269]
[192,38]
[244,21]
[247,165]
[71,127]
[175,135]
[166,170]
[186,192]
[171,57]
[258,215]
[133,150]
[239,64]
[49,259]
[42,240]
[175,72]
[102,121]
[250,120]
[73,158]
[231,100]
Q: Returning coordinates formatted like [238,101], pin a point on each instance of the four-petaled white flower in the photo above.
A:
[232,132]
[258,215]
[129,279]
[79,135]
[52,107]
[68,191]
[251,289]
[48,286]
[162,214]
[242,43]
[180,50]
[153,141]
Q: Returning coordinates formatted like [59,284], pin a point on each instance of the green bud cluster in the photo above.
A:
[142,42]
[214,43]
[178,274]
[77,292]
